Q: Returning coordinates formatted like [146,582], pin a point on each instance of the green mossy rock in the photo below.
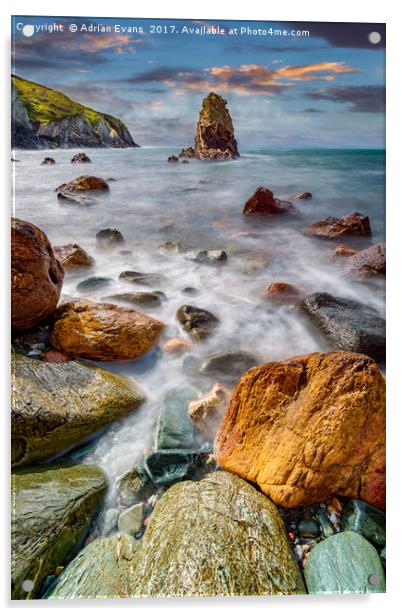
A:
[366,520]
[133,487]
[55,406]
[218,536]
[343,564]
[103,570]
[52,510]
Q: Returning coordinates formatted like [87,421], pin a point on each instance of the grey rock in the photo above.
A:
[174,429]
[198,322]
[230,364]
[109,522]
[207,256]
[366,520]
[130,520]
[138,298]
[93,283]
[107,238]
[147,280]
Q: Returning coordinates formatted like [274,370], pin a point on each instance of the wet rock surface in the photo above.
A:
[106,238]
[53,508]
[367,263]
[348,325]
[84,183]
[103,331]
[56,406]
[214,137]
[366,520]
[198,322]
[308,428]
[142,278]
[263,202]
[228,365]
[81,157]
[332,228]
[36,276]
[72,256]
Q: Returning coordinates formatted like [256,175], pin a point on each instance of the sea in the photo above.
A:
[199,206]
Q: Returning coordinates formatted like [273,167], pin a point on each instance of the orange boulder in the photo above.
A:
[308,428]
[103,331]
[36,275]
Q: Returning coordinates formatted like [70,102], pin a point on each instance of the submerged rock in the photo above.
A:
[344,251]
[55,406]
[147,280]
[138,298]
[133,487]
[348,325]
[103,570]
[367,263]
[207,256]
[344,563]
[72,256]
[365,520]
[230,364]
[105,238]
[173,159]
[187,153]
[303,195]
[216,537]
[174,429]
[307,428]
[353,224]
[53,508]
[81,157]
[103,331]
[198,322]
[84,183]
[263,202]
[36,276]
[48,161]
[214,137]
[93,284]
[207,411]
[176,345]
[282,291]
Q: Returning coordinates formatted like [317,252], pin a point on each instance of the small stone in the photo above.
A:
[147,280]
[72,256]
[93,284]
[309,528]
[303,195]
[130,520]
[80,158]
[173,159]
[230,364]
[55,357]
[137,298]
[190,291]
[207,256]
[48,161]
[107,238]
[176,345]
[169,246]
[344,251]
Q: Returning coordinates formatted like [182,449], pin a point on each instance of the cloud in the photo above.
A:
[361,99]
[246,79]
[312,110]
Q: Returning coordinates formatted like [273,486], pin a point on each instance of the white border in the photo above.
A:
[292,10]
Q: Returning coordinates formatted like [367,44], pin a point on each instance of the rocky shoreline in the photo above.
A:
[269,479]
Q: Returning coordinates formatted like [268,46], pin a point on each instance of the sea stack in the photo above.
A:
[214,138]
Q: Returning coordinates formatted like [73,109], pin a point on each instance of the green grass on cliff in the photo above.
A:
[45,105]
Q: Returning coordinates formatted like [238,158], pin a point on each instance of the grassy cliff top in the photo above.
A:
[45,105]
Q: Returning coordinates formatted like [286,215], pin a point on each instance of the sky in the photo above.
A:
[318,85]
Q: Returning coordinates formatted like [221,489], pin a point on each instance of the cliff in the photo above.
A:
[45,118]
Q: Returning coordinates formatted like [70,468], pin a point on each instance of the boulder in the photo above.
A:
[207,256]
[106,238]
[103,332]
[367,263]
[131,520]
[332,228]
[138,298]
[187,153]
[214,137]
[228,365]
[207,411]
[174,429]
[344,251]
[263,202]
[342,564]
[57,405]
[308,428]
[167,466]
[216,537]
[93,284]
[198,322]
[282,291]
[48,161]
[53,508]
[81,157]
[72,256]
[103,570]
[36,276]
[348,325]
[366,520]
[147,280]
[303,195]
[173,159]
[83,183]
[176,345]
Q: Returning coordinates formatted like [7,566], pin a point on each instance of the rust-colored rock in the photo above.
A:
[353,224]
[263,202]
[55,357]
[308,428]
[367,263]
[84,183]
[344,251]
[72,256]
[176,345]
[103,331]
[207,411]
[282,291]
[36,275]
